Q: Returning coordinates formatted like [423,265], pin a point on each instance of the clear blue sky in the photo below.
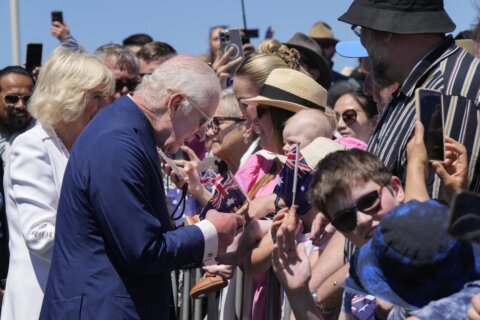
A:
[182,23]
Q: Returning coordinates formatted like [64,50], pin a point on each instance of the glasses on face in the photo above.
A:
[348,116]
[214,125]
[130,84]
[261,110]
[14,98]
[357,30]
[346,220]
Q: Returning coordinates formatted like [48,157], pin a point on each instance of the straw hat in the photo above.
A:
[290,90]
[322,32]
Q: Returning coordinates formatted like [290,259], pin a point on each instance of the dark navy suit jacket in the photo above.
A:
[114,247]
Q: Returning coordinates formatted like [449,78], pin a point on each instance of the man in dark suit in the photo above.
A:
[114,245]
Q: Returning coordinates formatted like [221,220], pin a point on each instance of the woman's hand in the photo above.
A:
[221,65]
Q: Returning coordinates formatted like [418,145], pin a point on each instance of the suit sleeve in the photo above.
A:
[32,186]
[125,191]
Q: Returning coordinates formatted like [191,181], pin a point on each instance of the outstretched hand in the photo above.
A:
[60,30]
[289,260]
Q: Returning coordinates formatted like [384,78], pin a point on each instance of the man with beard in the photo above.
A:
[16,87]
[406,43]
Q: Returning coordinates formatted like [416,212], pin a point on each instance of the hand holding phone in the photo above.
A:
[34,56]
[465,217]
[429,110]
[231,40]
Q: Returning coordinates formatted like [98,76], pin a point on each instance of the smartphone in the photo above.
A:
[231,38]
[34,56]
[269,33]
[57,16]
[429,110]
[465,217]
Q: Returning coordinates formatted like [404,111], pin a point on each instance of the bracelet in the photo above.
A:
[325,310]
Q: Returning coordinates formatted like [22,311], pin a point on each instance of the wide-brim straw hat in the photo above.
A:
[321,32]
[311,52]
[290,90]
[319,149]
[402,17]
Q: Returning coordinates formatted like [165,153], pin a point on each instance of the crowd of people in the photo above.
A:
[125,164]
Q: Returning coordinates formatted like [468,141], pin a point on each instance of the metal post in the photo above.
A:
[15,33]
[239,293]
[186,292]
[197,315]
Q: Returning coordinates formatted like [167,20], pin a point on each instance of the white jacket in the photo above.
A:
[32,182]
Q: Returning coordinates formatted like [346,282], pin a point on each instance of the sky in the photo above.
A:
[184,24]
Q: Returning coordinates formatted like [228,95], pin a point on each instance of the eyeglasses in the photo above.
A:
[348,116]
[130,84]
[14,98]
[357,30]
[261,110]
[214,125]
[346,220]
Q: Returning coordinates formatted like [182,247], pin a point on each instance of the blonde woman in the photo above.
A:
[70,90]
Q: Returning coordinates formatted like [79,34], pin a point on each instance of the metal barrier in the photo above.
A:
[240,286]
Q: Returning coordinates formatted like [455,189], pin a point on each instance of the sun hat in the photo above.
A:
[403,17]
[412,260]
[311,53]
[322,32]
[291,90]
[351,49]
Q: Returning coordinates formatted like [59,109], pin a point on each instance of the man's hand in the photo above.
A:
[60,30]
[226,225]
[223,270]
[454,171]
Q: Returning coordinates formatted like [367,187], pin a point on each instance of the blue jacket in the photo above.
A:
[114,246]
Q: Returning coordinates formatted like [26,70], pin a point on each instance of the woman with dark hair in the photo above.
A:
[357,113]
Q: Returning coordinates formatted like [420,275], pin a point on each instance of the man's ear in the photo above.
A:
[174,102]
[398,192]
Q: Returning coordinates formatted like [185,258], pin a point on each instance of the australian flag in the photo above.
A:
[285,182]
[207,178]
[227,195]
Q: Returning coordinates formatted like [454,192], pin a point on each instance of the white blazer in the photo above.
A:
[32,182]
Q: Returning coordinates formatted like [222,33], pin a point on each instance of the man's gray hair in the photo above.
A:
[185,74]
[120,56]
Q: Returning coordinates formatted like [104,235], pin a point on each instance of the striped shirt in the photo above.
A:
[456,74]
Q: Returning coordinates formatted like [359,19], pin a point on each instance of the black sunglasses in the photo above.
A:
[349,116]
[357,30]
[346,220]
[130,84]
[261,110]
[217,121]
[14,98]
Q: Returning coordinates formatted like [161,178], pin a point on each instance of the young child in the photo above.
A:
[303,128]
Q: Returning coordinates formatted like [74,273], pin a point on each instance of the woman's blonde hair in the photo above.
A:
[64,80]
[270,55]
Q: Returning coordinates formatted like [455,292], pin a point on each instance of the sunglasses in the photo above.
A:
[261,110]
[346,220]
[348,116]
[14,98]
[214,125]
[130,84]
[357,30]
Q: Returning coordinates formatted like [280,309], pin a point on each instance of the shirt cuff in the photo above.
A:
[211,239]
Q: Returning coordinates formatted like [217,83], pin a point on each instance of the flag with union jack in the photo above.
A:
[227,196]
[207,177]
[284,187]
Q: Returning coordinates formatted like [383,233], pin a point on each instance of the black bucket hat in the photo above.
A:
[403,17]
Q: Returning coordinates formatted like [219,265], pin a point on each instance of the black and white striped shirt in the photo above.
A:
[456,74]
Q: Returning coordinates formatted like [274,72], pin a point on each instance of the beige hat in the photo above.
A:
[467,44]
[291,90]
[319,149]
[321,31]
